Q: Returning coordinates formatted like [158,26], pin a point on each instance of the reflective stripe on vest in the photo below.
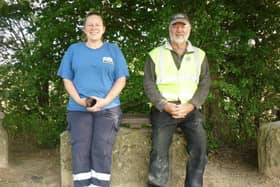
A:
[177,84]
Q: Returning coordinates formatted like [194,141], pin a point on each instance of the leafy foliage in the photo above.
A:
[245,87]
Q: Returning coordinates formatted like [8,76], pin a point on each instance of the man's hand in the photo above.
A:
[178,111]
[170,108]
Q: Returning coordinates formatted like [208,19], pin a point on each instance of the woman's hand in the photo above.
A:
[100,103]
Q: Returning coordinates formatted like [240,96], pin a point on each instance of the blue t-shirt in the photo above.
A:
[93,71]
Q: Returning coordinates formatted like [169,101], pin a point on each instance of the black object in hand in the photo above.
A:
[90,102]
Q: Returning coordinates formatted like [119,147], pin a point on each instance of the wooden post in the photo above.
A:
[3,144]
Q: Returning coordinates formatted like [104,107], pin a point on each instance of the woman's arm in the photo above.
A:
[71,90]
[113,93]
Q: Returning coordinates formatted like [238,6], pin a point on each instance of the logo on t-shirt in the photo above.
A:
[107,60]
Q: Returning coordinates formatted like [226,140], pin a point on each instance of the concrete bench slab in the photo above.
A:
[131,155]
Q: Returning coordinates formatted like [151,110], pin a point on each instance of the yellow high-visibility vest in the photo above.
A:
[173,84]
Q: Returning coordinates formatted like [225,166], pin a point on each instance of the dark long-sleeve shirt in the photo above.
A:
[150,86]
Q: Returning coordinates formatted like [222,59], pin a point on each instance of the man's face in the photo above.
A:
[94,28]
[179,32]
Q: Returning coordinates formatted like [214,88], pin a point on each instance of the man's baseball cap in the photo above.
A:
[180,17]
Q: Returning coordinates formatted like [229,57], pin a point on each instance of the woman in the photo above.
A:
[94,73]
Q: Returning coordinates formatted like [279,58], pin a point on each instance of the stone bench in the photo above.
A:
[131,155]
[269,149]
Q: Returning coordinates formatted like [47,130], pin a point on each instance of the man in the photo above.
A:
[177,81]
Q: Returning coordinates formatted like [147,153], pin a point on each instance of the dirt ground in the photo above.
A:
[232,167]
[32,167]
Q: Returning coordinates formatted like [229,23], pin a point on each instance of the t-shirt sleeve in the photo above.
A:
[65,70]
[120,65]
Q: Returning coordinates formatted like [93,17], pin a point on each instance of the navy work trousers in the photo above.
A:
[92,138]
[163,128]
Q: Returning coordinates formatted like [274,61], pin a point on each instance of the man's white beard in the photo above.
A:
[178,40]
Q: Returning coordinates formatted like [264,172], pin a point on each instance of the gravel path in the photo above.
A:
[226,168]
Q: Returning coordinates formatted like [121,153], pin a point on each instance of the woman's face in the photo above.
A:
[94,28]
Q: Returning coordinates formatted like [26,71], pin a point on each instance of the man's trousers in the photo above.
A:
[92,138]
[163,128]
